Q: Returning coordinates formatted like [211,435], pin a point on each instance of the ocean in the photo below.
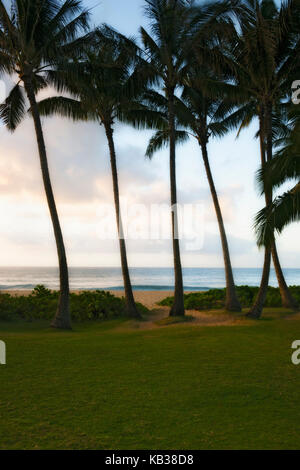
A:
[142,278]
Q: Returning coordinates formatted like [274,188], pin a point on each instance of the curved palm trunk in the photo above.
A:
[287,299]
[178,305]
[232,302]
[258,306]
[265,121]
[62,318]
[130,303]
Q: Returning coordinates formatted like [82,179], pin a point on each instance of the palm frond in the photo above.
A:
[13,109]
[66,107]
[284,210]
[140,117]
[161,140]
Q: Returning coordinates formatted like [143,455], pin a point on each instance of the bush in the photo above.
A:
[215,298]
[7,311]
[42,304]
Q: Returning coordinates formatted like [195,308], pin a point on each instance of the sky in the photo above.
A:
[80,170]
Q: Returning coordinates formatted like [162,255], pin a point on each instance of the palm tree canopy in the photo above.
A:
[36,38]
[284,210]
[199,112]
[176,27]
[185,40]
[284,167]
[263,58]
[106,89]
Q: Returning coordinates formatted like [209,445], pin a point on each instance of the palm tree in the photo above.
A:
[196,116]
[36,37]
[106,92]
[175,26]
[264,59]
[165,50]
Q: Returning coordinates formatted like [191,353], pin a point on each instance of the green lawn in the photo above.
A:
[106,386]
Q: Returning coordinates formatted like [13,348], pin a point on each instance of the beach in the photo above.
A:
[148,298]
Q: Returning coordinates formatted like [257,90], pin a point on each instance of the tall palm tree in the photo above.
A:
[264,59]
[36,37]
[105,92]
[175,26]
[196,116]
[165,49]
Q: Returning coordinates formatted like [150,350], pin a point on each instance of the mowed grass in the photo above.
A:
[106,386]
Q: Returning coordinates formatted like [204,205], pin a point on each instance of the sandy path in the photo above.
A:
[147,298]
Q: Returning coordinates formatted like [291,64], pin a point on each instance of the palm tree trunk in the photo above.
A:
[258,306]
[232,302]
[287,299]
[62,318]
[178,305]
[129,298]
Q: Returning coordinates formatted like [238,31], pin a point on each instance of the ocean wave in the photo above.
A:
[147,287]
[144,287]
[113,288]
[17,286]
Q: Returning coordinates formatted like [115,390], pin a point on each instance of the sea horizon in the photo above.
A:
[147,278]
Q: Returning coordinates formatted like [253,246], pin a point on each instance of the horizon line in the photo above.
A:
[135,267]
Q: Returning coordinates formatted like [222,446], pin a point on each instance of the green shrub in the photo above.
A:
[215,298]
[6,307]
[42,304]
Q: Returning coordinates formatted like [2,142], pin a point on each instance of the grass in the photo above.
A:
[104,386]
[174,320]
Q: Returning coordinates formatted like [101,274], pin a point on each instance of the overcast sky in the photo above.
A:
[79,164]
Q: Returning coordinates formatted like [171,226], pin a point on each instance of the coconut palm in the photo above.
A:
[175,26]
[105,91]
[264,58]
[165,48]
[36,38]
[195,116]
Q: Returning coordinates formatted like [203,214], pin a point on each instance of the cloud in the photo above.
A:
[80,170]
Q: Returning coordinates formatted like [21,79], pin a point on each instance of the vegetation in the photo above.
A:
[117,388]
[197,115]
[85,306]
[178,30]
[201,69]
[105,90]
[37,40]
[166,48]
[216,298]
[284,167]
[263,60]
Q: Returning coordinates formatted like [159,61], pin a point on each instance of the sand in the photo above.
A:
[147,298]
